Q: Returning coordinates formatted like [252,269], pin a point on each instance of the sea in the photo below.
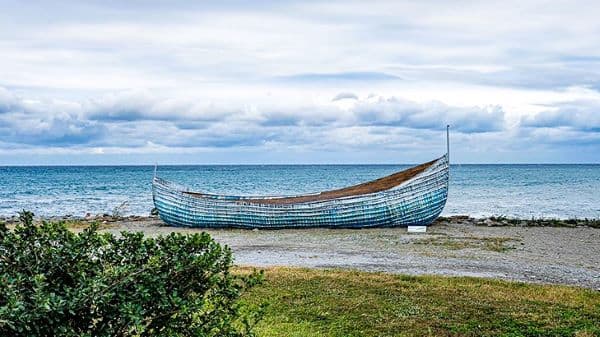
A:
[523,191]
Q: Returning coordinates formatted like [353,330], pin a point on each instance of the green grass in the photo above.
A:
[304,302]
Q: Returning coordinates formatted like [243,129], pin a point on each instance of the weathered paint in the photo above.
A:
[415,202]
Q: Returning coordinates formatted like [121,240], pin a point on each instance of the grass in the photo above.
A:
[74,224]
[495,244]
[533,222]
[80,224]
[303,302]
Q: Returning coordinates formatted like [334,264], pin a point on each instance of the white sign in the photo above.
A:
[417,229]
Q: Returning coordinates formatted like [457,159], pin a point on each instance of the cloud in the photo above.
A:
[393,111]
[227,76]
[344,95]
[29,122]
[145,105]
[24,130]
[96,46]
[150,122]
[339,77]
[135,118]
[8,101]
[582,115]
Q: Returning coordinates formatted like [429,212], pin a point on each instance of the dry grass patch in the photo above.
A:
[75,224]
[495,244]
[82,224]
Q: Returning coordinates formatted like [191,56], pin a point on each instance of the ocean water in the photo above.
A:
[553,191]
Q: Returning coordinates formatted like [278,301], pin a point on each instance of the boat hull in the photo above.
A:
[418,201]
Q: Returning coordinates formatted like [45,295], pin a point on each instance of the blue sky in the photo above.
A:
[132,82]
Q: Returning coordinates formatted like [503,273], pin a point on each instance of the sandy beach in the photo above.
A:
[457,246]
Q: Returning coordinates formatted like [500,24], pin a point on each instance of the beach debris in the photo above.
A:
[119,211]
[488,222]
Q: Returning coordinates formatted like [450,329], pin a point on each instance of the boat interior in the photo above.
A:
[373,186]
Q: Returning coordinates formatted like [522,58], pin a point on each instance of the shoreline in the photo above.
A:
[490,221]
[535,251]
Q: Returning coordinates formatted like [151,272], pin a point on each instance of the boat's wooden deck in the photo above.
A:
[373,186]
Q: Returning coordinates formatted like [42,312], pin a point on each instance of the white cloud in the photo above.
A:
[430,115]
[508,44]
[344,95]
[311,75]
[137,118]
[581,115]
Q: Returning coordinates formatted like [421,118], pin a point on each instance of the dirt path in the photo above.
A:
[459,248]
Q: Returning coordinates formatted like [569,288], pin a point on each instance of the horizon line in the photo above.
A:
[276,164]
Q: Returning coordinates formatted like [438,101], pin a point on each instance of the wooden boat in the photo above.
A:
[415,196]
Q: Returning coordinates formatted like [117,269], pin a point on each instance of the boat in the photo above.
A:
[412,197]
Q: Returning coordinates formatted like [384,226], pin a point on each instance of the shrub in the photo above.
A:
[54,282]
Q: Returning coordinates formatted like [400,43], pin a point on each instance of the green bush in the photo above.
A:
[54,282]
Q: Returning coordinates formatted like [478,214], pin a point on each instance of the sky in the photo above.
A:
[286,82]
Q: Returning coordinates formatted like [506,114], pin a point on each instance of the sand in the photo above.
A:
[523,250]
[455,247]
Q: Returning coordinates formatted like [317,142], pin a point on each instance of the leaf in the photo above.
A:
[59,283]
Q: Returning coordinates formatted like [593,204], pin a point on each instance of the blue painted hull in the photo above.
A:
[418,201]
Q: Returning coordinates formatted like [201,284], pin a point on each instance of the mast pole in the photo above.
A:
[448,142]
